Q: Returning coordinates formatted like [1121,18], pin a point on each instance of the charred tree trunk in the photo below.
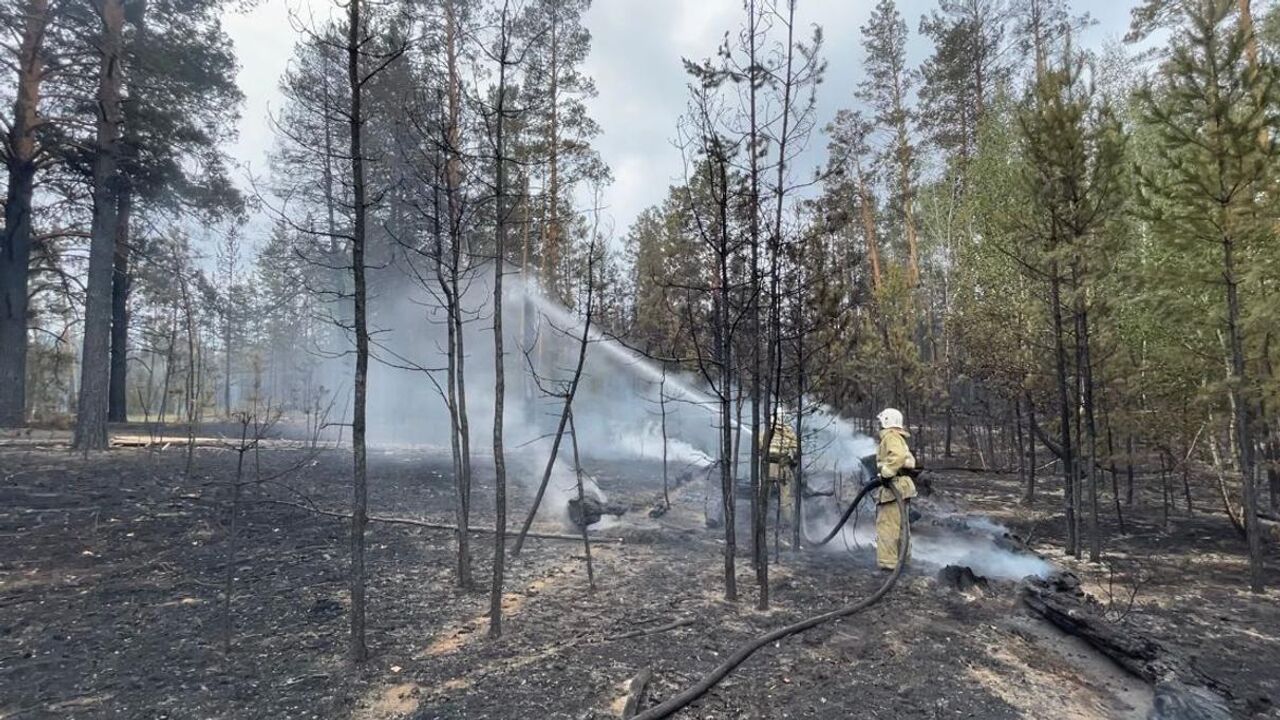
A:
[577,472]
[360,481]
[759,538]
[118,405]
[1128,469]
[193,367]
[662,406]
[121,279]
[728,429]
[1090,444]
[95,371]
[1064,413]
[1028,493]
[1243,416]
[458,387]
[1031,452]
[499,375]
[16,237]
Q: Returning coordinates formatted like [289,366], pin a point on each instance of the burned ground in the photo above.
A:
[111,587]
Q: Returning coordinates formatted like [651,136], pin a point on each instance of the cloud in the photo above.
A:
[637,47]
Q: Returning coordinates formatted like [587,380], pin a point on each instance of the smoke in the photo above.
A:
[646,444]
[618,409]
[618,412]
[938,539]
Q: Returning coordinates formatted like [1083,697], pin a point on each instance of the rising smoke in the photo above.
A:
[617,413]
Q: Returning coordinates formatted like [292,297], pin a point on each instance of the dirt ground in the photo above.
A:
[112,574]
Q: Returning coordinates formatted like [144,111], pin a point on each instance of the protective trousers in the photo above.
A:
[786,500]
[889,534]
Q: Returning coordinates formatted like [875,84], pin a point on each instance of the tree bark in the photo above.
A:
[1090,444]
[457,350]
[1064,414]
[577,472]
[724,349]
[499,375]
[1244,428]
[551,254]
[91,406]
[360,495]
[16,237]
[759,490]
[867,214]
[118,403]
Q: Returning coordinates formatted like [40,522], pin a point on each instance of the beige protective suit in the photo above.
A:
[781,458]
[891,457]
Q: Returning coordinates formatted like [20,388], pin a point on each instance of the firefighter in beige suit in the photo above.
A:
[781,456]
[892,457]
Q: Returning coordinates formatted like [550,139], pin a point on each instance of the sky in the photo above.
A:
[637,46]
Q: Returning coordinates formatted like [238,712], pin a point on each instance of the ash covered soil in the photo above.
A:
[112,575]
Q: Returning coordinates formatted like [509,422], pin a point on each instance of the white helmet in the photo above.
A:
[890,418]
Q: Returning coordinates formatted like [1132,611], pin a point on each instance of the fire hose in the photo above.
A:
[698,689]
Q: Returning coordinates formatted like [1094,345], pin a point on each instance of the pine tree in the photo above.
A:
[1214,113]
[962,76]
[887,90]
[1074,158]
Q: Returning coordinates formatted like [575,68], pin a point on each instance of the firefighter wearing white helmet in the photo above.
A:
[892,458]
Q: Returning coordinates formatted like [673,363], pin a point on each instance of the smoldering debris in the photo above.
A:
[962,578]
[940,538]
[590,510]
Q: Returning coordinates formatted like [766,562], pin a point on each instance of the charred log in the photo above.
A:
[1181,691]
[589,510]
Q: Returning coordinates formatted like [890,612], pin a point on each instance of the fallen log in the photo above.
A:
[432,525]
[1181,691]
[683,622]
[635,691]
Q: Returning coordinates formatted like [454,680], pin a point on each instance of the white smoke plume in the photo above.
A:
[937,540]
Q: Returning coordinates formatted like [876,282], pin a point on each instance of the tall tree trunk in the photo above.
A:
[759,539]
[662,406]
[577,472]
[1031,451]
[191,392]
[551,251]
[360,485]
[16,237]
[499,374]
[1128,489]
[1064,412]
[457,378]
[798,475]
[1028,490]
[121,279]
[867,214]
[118,404]
[95,370]
[723,338]
[1091,431]
[1244,427]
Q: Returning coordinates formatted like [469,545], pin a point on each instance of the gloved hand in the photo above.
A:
[913,472]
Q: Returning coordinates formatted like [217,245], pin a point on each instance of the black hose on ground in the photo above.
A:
[698,689]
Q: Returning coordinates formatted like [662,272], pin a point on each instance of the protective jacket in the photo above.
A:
[781,456]
[891,457]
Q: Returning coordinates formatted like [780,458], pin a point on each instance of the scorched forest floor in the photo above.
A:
[112,573]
